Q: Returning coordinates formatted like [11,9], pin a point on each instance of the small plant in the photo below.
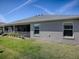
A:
[5,34]
[1,50]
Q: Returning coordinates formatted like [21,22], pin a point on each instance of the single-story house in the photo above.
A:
[47,27]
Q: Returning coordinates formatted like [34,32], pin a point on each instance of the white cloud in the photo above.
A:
[22,5]
[44,9]
[68,6]
[2,19]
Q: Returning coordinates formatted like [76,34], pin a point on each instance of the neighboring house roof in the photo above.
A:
[43,18]
[2,23]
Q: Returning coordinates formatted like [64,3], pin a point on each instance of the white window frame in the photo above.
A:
[34,29]
[68,37]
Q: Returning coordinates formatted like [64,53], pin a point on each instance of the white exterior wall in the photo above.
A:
[48,31]
[51,31]
[76,31]
[54,31]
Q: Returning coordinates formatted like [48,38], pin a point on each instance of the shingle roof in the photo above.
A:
[2,23]
[44,18]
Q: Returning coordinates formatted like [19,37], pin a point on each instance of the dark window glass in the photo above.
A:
[68,27]
[36,30]
[68,30]
[68,33]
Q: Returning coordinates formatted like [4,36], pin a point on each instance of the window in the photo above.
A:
[36,28]
[68,30]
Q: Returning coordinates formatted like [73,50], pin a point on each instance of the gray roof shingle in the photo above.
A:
[43,18]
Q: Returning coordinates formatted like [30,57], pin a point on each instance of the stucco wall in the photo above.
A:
[54,31]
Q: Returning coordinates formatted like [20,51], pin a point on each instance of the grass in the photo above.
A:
[13,48]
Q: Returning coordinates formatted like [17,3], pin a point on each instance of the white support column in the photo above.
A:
[14,28]
[3,29]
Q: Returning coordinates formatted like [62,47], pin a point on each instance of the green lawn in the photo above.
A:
[13,48]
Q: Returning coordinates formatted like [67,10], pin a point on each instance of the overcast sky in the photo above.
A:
[12,10]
